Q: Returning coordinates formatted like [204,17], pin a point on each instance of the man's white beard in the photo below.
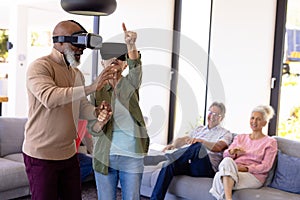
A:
[71,58]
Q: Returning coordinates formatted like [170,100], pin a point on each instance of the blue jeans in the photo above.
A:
[86,165]
[183,162]
[125,169]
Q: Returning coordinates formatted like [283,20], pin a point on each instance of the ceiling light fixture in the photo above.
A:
[89,7]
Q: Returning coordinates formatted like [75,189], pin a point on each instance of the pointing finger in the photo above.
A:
[124,27]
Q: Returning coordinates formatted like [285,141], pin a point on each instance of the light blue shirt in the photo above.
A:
[123,139]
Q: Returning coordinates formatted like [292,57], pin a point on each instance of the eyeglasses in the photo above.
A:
[214,114]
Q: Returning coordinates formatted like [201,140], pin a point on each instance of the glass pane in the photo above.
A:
[190,98]
[3,61]
[289,115]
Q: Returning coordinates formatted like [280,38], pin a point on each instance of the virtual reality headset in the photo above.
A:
[113,50]
[81,40]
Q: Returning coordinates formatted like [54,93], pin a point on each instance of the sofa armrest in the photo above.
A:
[11,135]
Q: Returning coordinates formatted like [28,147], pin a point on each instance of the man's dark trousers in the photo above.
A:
[193,161]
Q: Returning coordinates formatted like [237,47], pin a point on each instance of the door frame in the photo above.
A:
[277,63]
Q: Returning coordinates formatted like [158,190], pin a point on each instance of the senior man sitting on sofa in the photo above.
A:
[201,158]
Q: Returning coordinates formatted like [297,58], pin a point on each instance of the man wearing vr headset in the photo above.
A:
[120,147]
[57,99]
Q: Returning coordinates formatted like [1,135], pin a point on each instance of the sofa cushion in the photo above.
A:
[188,187]
[12,175]
[287,146]
[150,174]
[287,175]
[11,135]
[271,172]
[264,193]
[18,157]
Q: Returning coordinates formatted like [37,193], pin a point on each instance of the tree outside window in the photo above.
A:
[3,49]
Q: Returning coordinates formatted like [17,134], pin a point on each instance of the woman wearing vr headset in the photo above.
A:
[57,99]
[119,149]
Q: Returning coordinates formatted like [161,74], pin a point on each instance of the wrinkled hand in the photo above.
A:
[130,36]
[116,65]
[237,150]
[130,39]
[242,168]
[168,147]
[103,113]
[193,140]
[108,73]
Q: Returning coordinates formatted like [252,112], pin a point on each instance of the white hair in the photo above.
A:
[266,110]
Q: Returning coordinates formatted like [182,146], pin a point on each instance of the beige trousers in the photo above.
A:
[242,179]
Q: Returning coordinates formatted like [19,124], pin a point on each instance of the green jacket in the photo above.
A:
[127,91]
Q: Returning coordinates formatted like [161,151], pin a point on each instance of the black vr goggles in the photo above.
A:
[113,50]
[81,39]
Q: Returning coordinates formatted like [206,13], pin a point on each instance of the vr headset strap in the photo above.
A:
[83,29]
[69,39]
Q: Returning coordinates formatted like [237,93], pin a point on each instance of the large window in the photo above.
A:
[289,113]
[3,43]
[3,62]
[192,72]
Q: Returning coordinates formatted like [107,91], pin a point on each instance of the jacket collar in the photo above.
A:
[58,57]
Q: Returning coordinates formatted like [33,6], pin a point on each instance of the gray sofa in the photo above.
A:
[14,183]
[13,179]
[185,187]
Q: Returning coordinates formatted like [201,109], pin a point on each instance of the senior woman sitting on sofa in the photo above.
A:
[248,159]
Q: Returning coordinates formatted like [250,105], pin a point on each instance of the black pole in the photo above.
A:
[96,29]
[278,51]
[208,62]
[174,68]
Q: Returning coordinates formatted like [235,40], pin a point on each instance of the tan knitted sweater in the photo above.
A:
[56,101]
